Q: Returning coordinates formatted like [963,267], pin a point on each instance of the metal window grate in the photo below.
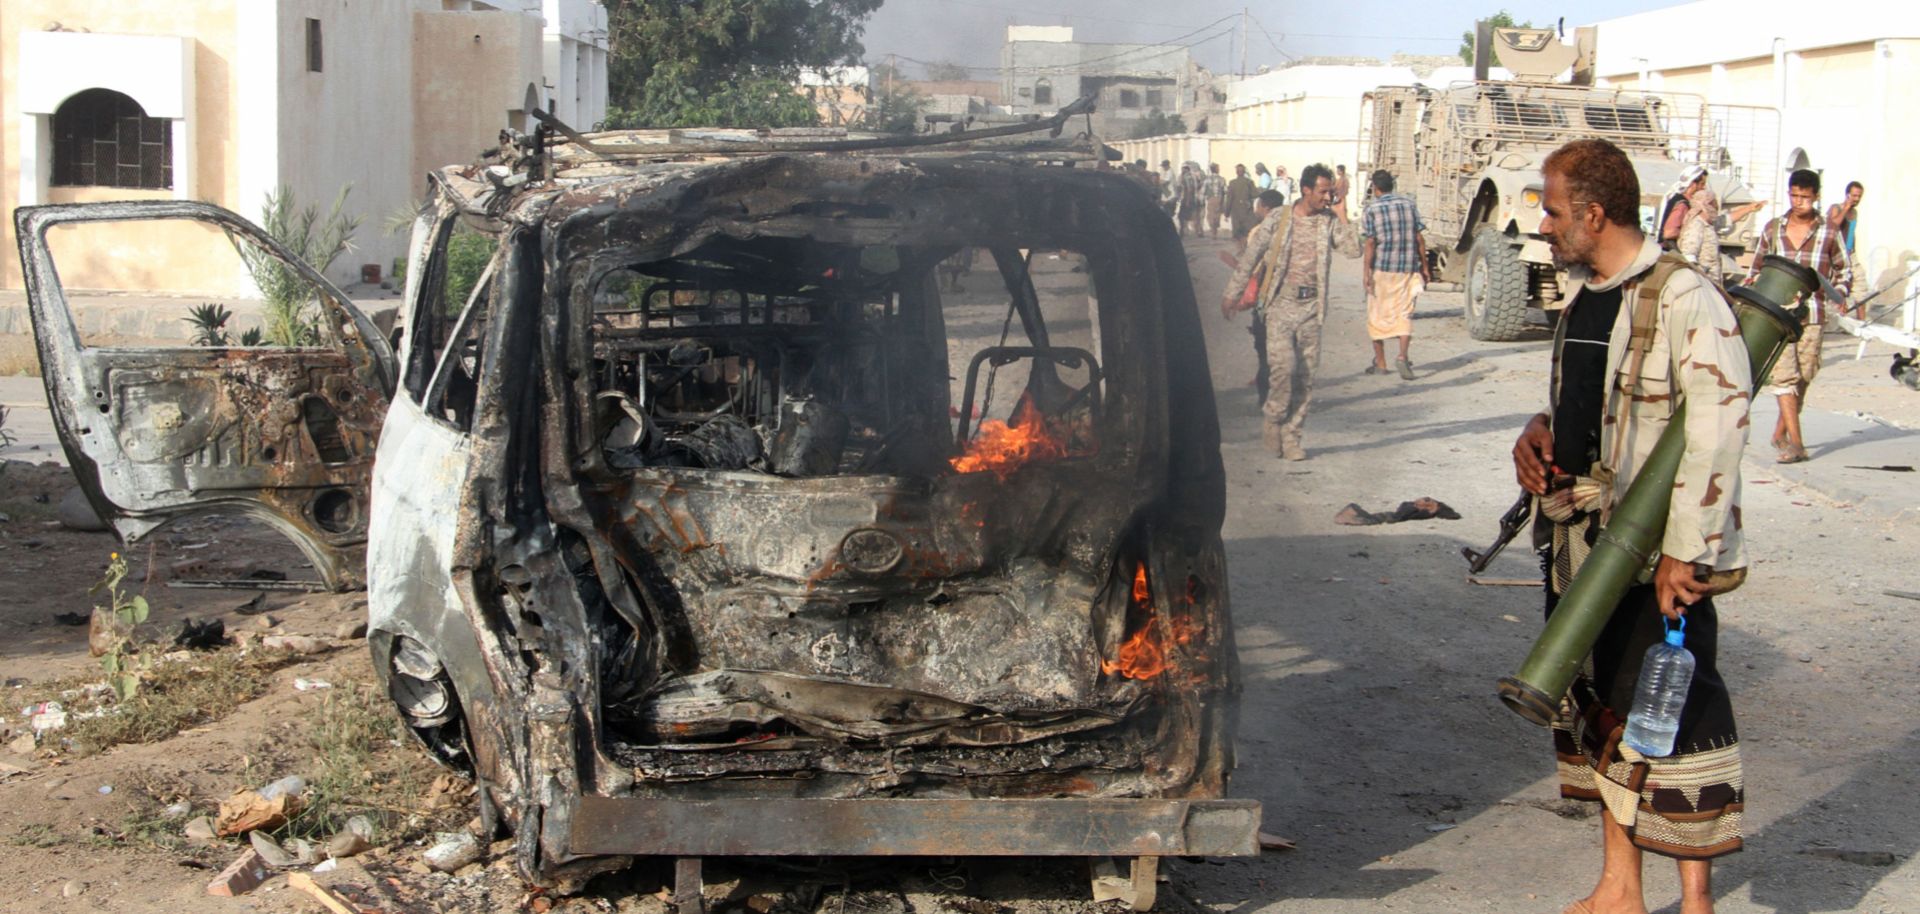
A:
[102,138]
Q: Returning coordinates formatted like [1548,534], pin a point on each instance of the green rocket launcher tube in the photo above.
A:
[1769,318]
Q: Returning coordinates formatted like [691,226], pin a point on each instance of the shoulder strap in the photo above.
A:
[1646,305]
[1277,245]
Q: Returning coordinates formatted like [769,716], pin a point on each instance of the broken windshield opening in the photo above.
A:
[803,358]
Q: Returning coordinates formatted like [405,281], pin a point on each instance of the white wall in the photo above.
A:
[576,60]
[351,123]
[1711,31]
[1840,79]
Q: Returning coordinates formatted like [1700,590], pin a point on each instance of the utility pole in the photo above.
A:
[1243,42]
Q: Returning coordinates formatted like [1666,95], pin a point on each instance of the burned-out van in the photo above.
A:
[724,512]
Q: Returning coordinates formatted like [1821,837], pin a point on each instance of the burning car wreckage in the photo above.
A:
[680,544]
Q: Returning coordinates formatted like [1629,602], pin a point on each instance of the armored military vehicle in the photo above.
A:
[1470,156]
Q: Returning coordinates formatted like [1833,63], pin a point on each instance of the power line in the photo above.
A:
[1029,11]
[1270,40]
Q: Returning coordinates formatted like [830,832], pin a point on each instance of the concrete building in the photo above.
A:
[227,100]
[1043,68]
[960,98]
[1294,116]
[1845,78]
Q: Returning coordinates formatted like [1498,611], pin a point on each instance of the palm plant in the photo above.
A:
[319,240]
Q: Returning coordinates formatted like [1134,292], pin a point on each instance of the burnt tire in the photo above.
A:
[1496,289]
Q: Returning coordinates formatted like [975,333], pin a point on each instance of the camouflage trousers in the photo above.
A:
[1293,353]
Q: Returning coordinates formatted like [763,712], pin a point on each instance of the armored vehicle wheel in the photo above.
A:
[1496,289]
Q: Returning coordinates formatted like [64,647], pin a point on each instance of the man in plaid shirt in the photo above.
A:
[1394,271]
[1806,239]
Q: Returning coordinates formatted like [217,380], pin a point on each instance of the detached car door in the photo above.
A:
[283,434]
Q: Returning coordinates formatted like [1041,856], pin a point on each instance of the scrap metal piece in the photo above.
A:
[917,828]
[689,887]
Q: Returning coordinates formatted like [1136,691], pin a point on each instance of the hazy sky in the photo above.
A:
[970,31]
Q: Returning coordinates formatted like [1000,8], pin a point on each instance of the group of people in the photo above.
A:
[1826,243]
[1286,246]
[1643,333]
[1199,199]
[1281,275]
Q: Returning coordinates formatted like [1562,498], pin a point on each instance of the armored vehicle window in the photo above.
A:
[1619,119]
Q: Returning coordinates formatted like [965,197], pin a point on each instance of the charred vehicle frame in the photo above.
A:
[679,543]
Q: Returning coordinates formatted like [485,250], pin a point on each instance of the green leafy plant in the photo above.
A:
[289,298]
[896,110]
[128,611]
[467,256]
[209,324]
[6,437]
[724,63]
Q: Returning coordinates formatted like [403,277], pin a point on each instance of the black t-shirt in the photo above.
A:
[1583,380]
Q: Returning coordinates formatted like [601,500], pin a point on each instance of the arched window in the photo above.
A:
[104,139]
[1043,92]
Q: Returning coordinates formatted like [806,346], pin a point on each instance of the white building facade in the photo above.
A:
[227,101]
[1845,78]
[1292,117]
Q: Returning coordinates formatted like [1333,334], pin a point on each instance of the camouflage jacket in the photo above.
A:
[1253,255]
[1696,358]
[1342,236]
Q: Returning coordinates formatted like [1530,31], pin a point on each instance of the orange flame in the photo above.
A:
[1141,656]
[1001,448]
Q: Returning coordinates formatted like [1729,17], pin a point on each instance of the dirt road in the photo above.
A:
[1369,730]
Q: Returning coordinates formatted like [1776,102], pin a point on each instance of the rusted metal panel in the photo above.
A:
[283,435]
[917,828]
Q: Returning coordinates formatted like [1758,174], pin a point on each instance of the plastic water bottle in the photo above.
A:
[1662,692]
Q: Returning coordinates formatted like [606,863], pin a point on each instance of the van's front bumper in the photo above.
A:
[913,828]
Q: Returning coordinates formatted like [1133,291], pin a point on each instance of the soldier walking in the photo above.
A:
[1214,189]
[1294,296]
[1240,194]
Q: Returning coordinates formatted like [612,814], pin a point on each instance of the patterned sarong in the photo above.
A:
[1686,805]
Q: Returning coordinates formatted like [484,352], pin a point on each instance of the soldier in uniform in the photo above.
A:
[1293,295]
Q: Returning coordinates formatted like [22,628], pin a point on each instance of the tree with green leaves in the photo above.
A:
[895,108]
[724,63]
[1500,20]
